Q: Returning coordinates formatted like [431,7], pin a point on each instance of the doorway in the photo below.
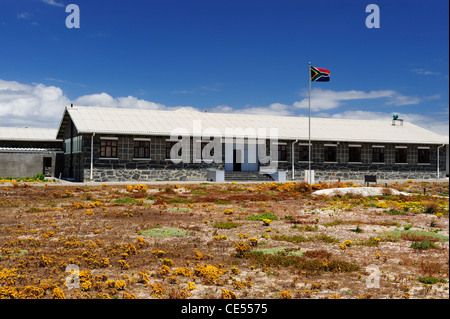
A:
[237,166]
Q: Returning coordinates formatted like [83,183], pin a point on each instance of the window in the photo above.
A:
[401,155]
[303,153]
[377,154]
[169,145]
[423,155]
[141,149]
[354,154]
[108,148]
[76,147]
[330,153]
[282,153]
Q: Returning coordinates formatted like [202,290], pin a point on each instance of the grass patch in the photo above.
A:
[395,212]
[21,253]
[431,280]
[222,202]
[265,215]
[284,260]
[276,250]
[337,222]
[412,235]
[225,225]
[423,245]
[126,200]
[180,209]
[293,239]
[199,192]
[179,200]
[163,232]
[326,239]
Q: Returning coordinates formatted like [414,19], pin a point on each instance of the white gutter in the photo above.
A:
[438,159]
[292,157]
[92,155]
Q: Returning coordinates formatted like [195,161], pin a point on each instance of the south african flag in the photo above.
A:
[319,75]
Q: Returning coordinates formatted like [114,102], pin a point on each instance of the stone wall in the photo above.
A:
[344,170]
[122,171]
[127,168]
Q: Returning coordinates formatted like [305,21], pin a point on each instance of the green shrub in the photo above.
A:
[222,202]
[413,235]
[395,212]
[199,192]
[431,208]
[370,242]
[225,225]
[431,280]
[326,239]
[179,200]
[276,250]
[39,177]
[126,200]
[422,245]
[265,215]
[285,260]
[292,239]
[357,229]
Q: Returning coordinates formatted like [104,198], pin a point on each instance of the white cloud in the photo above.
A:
[183,92]
[328,99]
[38,105]
[23,15]
[32,105]
[425,72]
[53,3]
[272,109]
[106,100]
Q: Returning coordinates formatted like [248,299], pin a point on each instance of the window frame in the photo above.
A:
[358,155]
[103,148]
[305,150]
[282,152]
[77,146]
[378,147]
[427,149]
[326,149]
[138,147]
[401,155]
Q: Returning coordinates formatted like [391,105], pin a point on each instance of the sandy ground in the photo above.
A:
[332,246]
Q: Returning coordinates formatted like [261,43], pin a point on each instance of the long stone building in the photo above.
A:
[111,144]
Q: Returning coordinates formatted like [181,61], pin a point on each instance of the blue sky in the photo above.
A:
[225,56]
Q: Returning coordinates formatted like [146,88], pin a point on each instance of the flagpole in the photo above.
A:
[309,123]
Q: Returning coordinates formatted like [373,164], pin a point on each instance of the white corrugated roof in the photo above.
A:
[25,150]
[27,134]
[157,122]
